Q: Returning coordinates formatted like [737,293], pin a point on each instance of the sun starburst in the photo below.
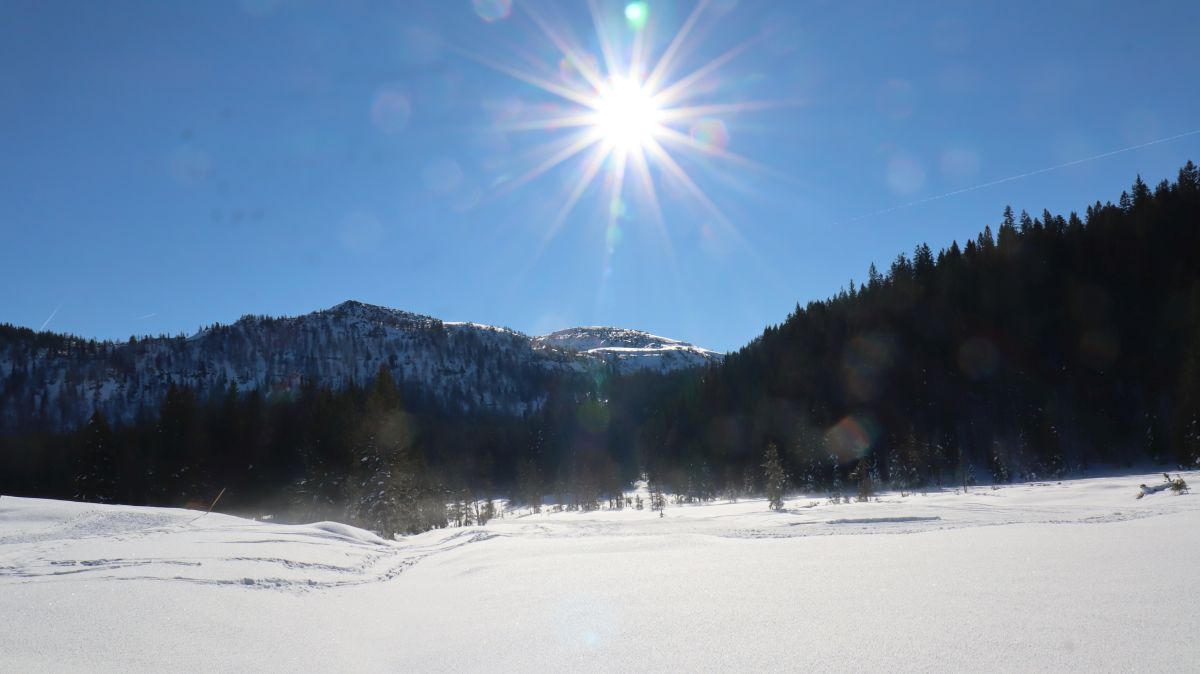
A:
[626,115]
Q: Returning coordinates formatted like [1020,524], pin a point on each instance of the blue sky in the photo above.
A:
[167,165]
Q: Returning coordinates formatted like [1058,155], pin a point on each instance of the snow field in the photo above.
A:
[1077,576]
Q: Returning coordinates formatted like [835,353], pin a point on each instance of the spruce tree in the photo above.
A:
[1140,192]
[95,476]
[658,500]
[867,478]
[774,477]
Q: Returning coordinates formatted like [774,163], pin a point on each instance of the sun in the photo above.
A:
[626,116]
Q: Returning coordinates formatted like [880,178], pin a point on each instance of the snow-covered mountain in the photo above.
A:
[631,350]
[56,381]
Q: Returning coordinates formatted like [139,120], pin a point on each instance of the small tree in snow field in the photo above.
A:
[774,477]
[658,500]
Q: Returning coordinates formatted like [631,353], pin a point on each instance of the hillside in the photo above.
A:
[1041,348]
[57,381]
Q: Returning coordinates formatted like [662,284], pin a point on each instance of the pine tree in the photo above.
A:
[658,500]
[487,512]
[774,477]
[387,491]
[806,455]
[1187,413]
[1026,223]
[468,509]
[999,466]
[95,476]
[874,278]
[835,481]
[867,476]
[1141,193]
[392,501]
[529,485]
[181,471]
[1189,178]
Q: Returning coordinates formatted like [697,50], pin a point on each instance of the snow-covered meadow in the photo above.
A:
[1078,575]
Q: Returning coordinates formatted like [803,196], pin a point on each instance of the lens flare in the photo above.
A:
[636,14]
[391,109]
[710,134]
[852,437]
[492,10]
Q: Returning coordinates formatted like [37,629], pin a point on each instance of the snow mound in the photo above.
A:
[347,532]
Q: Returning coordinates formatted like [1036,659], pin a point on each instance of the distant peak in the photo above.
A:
[607,338]
[355,305]
[374,313]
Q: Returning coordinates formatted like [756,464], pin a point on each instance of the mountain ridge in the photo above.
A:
[56,381]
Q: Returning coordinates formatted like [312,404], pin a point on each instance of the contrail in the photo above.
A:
[149,315]
[50,317]
[1019,176]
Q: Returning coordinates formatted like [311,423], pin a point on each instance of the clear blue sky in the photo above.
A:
[172,164]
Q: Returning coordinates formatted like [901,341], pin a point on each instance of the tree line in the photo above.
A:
[1043,348]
